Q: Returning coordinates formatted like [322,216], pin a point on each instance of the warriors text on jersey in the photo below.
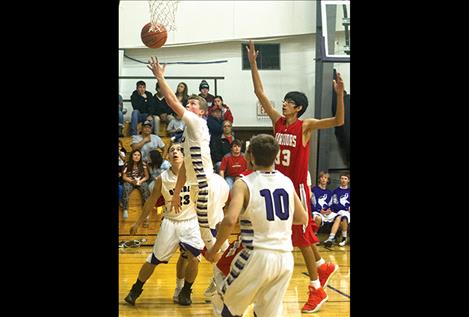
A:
[293,157]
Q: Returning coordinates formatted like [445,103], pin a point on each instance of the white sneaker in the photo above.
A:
[342,244]
[176,293]
[125,214]
[210,291]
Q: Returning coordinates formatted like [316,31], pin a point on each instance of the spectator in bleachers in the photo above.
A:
[215,122]
[204,88]
[147,141]
[135,176]
[225,110]
[219,147]
[156,166]
[321,201]
[160,111]
[232,165]
[122,112]
[176,128]
[122,156]
[182,93]
[341,205]
[141,100]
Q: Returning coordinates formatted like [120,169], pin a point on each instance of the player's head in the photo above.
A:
[324,178]
[295,101]
[197,105]
[175,153]
[344,179]
[263,149]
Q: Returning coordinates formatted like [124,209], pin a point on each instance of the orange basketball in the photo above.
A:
[154,39]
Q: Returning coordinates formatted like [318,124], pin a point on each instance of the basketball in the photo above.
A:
[154,39]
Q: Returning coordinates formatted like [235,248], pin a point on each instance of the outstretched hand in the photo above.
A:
[338,84]
[156,68]
[252,53]
[176,204]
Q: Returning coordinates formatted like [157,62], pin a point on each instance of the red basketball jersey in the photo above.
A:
[224,263]
[293,157]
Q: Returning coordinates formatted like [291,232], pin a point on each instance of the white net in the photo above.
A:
[163,12]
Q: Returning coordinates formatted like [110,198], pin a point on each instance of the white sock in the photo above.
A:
[179,282]
[344,234]
[319,263]
[331,236]
[316,284]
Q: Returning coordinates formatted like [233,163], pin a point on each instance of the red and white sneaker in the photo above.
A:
[325,272]
[316,298]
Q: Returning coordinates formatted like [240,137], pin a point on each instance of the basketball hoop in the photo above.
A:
[163,12]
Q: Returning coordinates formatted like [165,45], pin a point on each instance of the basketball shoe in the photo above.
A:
[133,295]
[210,291]
[184,297]
[325,272]
[344,241]
[316,298]
[176,295]
[125,214]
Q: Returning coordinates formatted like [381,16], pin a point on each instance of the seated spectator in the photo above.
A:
[232,165]
[182,93]
[219,147]
[215,122]
[156,166]
[321,200]
[122,112]
[175,129]
[160,110]
[147,142]
[225,110]
[204,88]
[135,176]
[142,101]
[122,156]
[340,205]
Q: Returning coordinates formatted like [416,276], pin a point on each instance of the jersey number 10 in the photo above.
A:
[280,203]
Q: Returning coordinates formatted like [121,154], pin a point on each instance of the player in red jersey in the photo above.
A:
[294,136]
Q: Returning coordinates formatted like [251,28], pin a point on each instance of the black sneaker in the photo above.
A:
[184,297]
[132,296]
[328,243]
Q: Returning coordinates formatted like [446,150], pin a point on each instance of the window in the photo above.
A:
[268,58]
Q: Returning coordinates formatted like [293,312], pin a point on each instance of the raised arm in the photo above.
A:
[168,94]
[148,206]
[258,88]
[339,119]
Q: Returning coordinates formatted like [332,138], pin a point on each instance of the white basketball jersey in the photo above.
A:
[168,180]
[196,146]
[267,221]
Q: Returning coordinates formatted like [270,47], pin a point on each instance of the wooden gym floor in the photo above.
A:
[156,299]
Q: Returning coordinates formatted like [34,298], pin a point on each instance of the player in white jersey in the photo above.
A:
[211,190]
[267,205]
[177,230]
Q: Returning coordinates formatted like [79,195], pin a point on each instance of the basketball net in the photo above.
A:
[163,12]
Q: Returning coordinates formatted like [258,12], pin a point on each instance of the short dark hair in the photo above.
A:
[300,99]
[236,142]
[141,82]
[264,149]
